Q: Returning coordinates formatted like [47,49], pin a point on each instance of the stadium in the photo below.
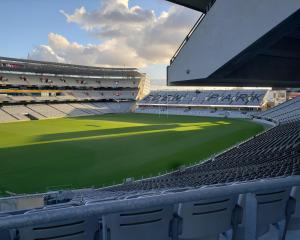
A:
[93,153]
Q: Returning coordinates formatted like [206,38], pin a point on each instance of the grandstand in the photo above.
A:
[220,189]
[285,112]
[32,90]
[210,103]
[215,98]
[248,192]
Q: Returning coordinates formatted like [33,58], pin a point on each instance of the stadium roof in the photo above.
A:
[253,55]
[22,65]
[198,5]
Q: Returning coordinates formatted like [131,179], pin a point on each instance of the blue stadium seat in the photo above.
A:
[144,224]
[294,223]
[75,229]
[261,211]
[270,209]
[64,230]
[206,219]
[5,234]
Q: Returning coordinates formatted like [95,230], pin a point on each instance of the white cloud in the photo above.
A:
[113,14]
[133,36]
[110,53]
[45,53]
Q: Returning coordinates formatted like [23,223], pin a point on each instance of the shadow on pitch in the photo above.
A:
[89,162]
[104,132]
[147,118]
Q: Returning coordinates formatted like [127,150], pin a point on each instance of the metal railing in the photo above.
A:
[192,31]
[187,37]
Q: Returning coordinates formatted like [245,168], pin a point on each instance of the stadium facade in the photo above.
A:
[250,191]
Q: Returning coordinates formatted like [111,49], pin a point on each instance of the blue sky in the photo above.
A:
[28,23]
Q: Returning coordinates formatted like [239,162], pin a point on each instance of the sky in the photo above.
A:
[110,33]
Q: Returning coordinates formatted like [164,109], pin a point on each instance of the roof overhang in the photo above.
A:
[198,5]
[273,60]
[14,65]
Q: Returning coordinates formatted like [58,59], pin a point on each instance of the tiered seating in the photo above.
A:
[39,81]
[4,98]
[29,82]
[103,107]
[191,111]
[85,108]
[5,117]
[49,90]
[22,98]
[66,97]
[75,82]
[287,111]
[74,95]
[214,103]
[275,153]
[79,95]
[46,110]
[93,107]
[121,107]
[69,110]
[21,112]
[14,80]
[245,98]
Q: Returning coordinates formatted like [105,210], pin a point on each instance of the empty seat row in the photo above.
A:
[274,153]
[46,81]
[14,113]
[189,111]
[246,216]
[21,112]
[215,97]
[288,111]
[68,95]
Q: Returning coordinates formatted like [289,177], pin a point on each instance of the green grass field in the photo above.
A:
[80,152]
